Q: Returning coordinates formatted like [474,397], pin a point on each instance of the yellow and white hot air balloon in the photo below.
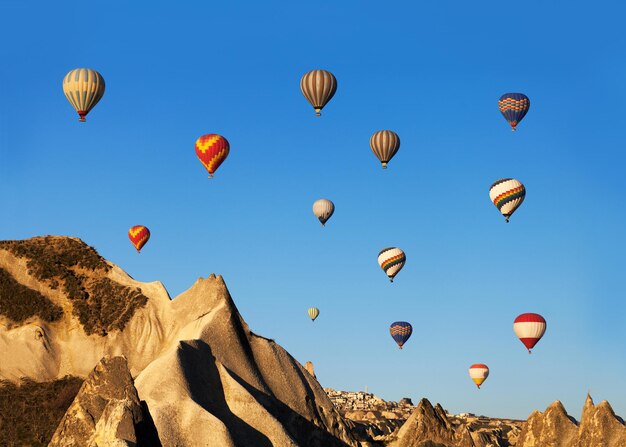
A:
[83,88]
[478,373]
[385,144]
[318,87]
[313,313]
[323,209]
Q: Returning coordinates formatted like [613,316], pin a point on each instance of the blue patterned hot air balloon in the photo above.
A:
[400,331]
[514,107]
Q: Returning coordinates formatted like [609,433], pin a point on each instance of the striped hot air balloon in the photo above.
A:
[400,331]
[514,107]
[323,209]
[391,260]
[507,194]
[83,88]
[139,235]
[385,144]
[529,328]
[479,373]
[212,150]
[313,313]
[318,87]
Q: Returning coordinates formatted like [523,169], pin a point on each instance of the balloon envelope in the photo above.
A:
[385,144]
[83,88]
[323,209]
[212,150]
[313,313]
[479,373]
[391,260]
[400,331]
[514,107]
[318,87]
[507,194]
[529,328]
[138,236]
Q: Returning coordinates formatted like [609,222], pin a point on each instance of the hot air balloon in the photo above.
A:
[385,144]
[507,194]
[83,88]
[391,260]
[514,107]
[529,328]
[212,150]
[313,313]
[400,331]
[318,87]
[139,235]
[479,373]
[323,209]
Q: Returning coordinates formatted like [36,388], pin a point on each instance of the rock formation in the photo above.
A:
[201,374]
[599,426]
[430,426]
[106,411]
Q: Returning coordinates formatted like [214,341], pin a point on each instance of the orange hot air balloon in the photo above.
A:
[212,150]
[139,235]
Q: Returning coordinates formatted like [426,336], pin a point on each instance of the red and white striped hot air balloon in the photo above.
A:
[529,328]
[478,373]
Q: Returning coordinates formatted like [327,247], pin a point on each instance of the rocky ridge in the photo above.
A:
[599,427]
[199,372]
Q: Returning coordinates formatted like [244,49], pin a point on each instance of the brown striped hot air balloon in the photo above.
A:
[212,150]
[318,87]
[385,144]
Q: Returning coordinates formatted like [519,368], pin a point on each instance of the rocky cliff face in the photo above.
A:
[599,427]
[200,374]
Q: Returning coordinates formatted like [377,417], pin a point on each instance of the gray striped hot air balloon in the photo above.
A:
[323,209]
[507,194]
[83,88]
[385,144]
[313,313]
[318,87]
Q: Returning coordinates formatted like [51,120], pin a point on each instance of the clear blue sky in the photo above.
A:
[431,71]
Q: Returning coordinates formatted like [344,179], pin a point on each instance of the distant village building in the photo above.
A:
[368,403]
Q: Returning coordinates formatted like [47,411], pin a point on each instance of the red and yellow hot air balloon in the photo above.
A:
[138,236]
[478,373]
[529,328]
[212,150]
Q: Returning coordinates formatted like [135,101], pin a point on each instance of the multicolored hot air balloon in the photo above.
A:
[139,235]
[385,144]
[313,313]
[212,150]
[323,209]
[400,331]
[391,260]
[318,87]
[83,88]
[529,328]
[507,194]
[514,107]
[479,373]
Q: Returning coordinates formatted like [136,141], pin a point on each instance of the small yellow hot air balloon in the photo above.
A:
[313,313]
[83,88]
